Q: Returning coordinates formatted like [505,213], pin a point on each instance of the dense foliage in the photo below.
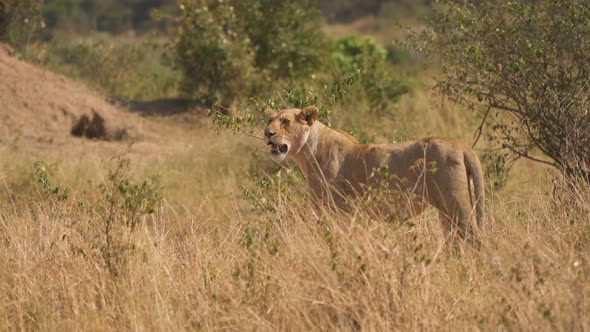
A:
[524,66]
[19,20]
[235,48]
[378,84]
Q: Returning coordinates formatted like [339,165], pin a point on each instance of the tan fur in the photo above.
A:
[338,169]
[347,135]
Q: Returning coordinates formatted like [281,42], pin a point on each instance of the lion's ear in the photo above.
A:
[309,115]
[269,112]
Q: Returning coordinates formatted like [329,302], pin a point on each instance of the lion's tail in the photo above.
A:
[475,172]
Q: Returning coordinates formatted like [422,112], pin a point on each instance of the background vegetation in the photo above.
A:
[523,66]
[192,227]
[19,20]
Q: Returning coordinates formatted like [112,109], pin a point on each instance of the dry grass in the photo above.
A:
[291,269]
[205,260]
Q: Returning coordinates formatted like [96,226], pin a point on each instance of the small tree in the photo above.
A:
[378,84]
[19,20]
[237,48]
[286,36]
[212,52]
[524,66]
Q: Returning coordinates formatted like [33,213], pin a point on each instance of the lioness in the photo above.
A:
[337,168]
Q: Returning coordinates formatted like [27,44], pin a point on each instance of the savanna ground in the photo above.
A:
[182,226]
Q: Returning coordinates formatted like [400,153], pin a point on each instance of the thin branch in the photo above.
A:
[527,156]
[480,128]
[249,135]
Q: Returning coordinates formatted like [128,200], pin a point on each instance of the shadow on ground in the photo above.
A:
[161,107]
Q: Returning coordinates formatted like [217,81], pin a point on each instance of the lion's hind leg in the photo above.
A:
[461,229]
[458,219]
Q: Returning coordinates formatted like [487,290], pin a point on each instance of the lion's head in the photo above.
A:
[288,130]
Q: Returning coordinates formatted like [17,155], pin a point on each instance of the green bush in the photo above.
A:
[232,49]
[353,52]
[378,87]
[19,20]
[524,67]
[124,205]
[215,57]
[107,223]
[286,36]
[357,79]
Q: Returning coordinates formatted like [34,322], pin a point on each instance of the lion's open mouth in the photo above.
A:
[278,149]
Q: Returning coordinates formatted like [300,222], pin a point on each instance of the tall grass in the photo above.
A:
[206,260]
[291,267]
[220,252]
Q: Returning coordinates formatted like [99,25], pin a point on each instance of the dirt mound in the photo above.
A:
[38,104]
[6,50]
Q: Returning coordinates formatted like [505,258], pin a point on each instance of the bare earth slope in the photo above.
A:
[36,104]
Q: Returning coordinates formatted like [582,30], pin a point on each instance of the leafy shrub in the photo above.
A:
[114,216]
[230,49]
[396,54]
[214,56]
[54,192]
[286,36]
[496,168]
[351,52]
[523,66]
[123,206]
[247,119]
[379,88]
[19,20]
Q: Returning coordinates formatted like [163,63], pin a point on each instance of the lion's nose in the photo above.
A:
[268,133]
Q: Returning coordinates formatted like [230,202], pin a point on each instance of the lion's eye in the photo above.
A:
[269,121]
[285,122]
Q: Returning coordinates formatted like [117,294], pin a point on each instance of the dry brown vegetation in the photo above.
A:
[292,269]
[205,259]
